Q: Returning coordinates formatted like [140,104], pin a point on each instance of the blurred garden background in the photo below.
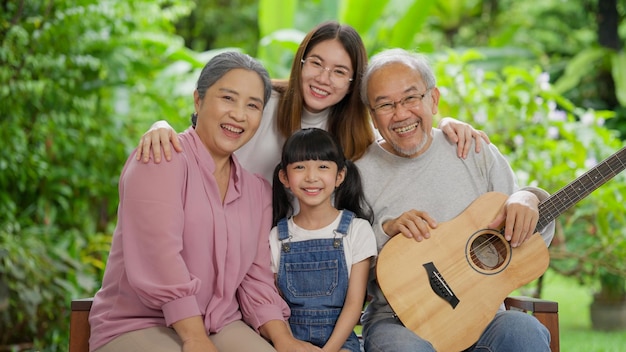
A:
[81,80]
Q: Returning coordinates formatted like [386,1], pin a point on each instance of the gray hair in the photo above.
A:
[414,61]
[223,63]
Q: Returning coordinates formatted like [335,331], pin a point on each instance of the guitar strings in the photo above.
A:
[494,241]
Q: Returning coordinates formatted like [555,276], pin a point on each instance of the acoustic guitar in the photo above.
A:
[449,287]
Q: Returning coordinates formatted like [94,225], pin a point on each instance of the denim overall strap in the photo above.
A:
[313,279]
[283,229]
[344,223]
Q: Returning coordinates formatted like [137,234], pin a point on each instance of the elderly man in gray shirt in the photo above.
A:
[414,179]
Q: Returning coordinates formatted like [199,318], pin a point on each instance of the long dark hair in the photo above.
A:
[317,144]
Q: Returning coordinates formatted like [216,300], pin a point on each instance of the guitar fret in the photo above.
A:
[588,182]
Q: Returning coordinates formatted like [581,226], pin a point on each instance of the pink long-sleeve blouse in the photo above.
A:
[178,251]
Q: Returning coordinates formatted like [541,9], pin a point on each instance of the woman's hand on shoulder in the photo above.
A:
[462,133]
[159,135]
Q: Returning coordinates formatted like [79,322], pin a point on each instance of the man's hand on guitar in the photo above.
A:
[412,224]
[520,214]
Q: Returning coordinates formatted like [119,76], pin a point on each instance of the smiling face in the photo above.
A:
[319,90]
[230,112]
[312,182]
[406,130]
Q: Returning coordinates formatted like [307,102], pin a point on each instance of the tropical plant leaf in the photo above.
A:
[410,24]
[275,15]
[361,14]
[618,70]
[580,65]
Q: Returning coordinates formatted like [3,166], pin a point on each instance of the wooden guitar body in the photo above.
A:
[447,288]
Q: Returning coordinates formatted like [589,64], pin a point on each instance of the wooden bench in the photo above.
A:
[547,312]
[79,325]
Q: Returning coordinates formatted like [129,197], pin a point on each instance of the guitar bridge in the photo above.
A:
[439,285]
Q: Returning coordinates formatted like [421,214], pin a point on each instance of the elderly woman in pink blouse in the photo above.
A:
[189,267]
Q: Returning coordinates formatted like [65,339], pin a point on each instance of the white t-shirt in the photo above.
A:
[358,244]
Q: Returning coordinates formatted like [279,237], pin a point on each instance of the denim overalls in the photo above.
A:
[313,278]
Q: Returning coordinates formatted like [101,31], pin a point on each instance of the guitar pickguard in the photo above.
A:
[439,285]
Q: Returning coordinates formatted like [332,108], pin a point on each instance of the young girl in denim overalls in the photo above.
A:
[321,255]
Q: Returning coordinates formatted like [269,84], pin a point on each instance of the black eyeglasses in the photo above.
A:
[408,102]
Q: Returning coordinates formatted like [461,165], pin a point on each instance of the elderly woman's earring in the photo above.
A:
[194,118]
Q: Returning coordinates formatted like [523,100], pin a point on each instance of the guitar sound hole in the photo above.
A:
[488,252]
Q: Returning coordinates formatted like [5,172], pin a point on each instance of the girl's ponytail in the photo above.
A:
[281,199]
[349,195]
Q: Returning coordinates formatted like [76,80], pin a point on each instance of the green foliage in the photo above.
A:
[39,277]
[76,82]
[362,16]
[552,29]
[564,36]
[577,67]
[618,70]
[275,15]
[278,42]
[220,24]
[381,23]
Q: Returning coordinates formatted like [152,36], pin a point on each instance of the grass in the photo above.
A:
[575,324]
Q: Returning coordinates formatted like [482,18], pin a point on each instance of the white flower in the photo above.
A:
[590,162]
[553,132]
[544,81]
[552,105]
[588,118]
[557,115]
[481,116]
[480,75]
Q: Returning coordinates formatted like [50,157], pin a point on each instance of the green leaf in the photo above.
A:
[361,14]
[618,70]
[579,66]
[450,13]
[410,24]
[275,15]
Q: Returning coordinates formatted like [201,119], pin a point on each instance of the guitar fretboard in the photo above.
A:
[581,187]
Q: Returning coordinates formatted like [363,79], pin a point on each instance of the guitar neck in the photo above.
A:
[581,187]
